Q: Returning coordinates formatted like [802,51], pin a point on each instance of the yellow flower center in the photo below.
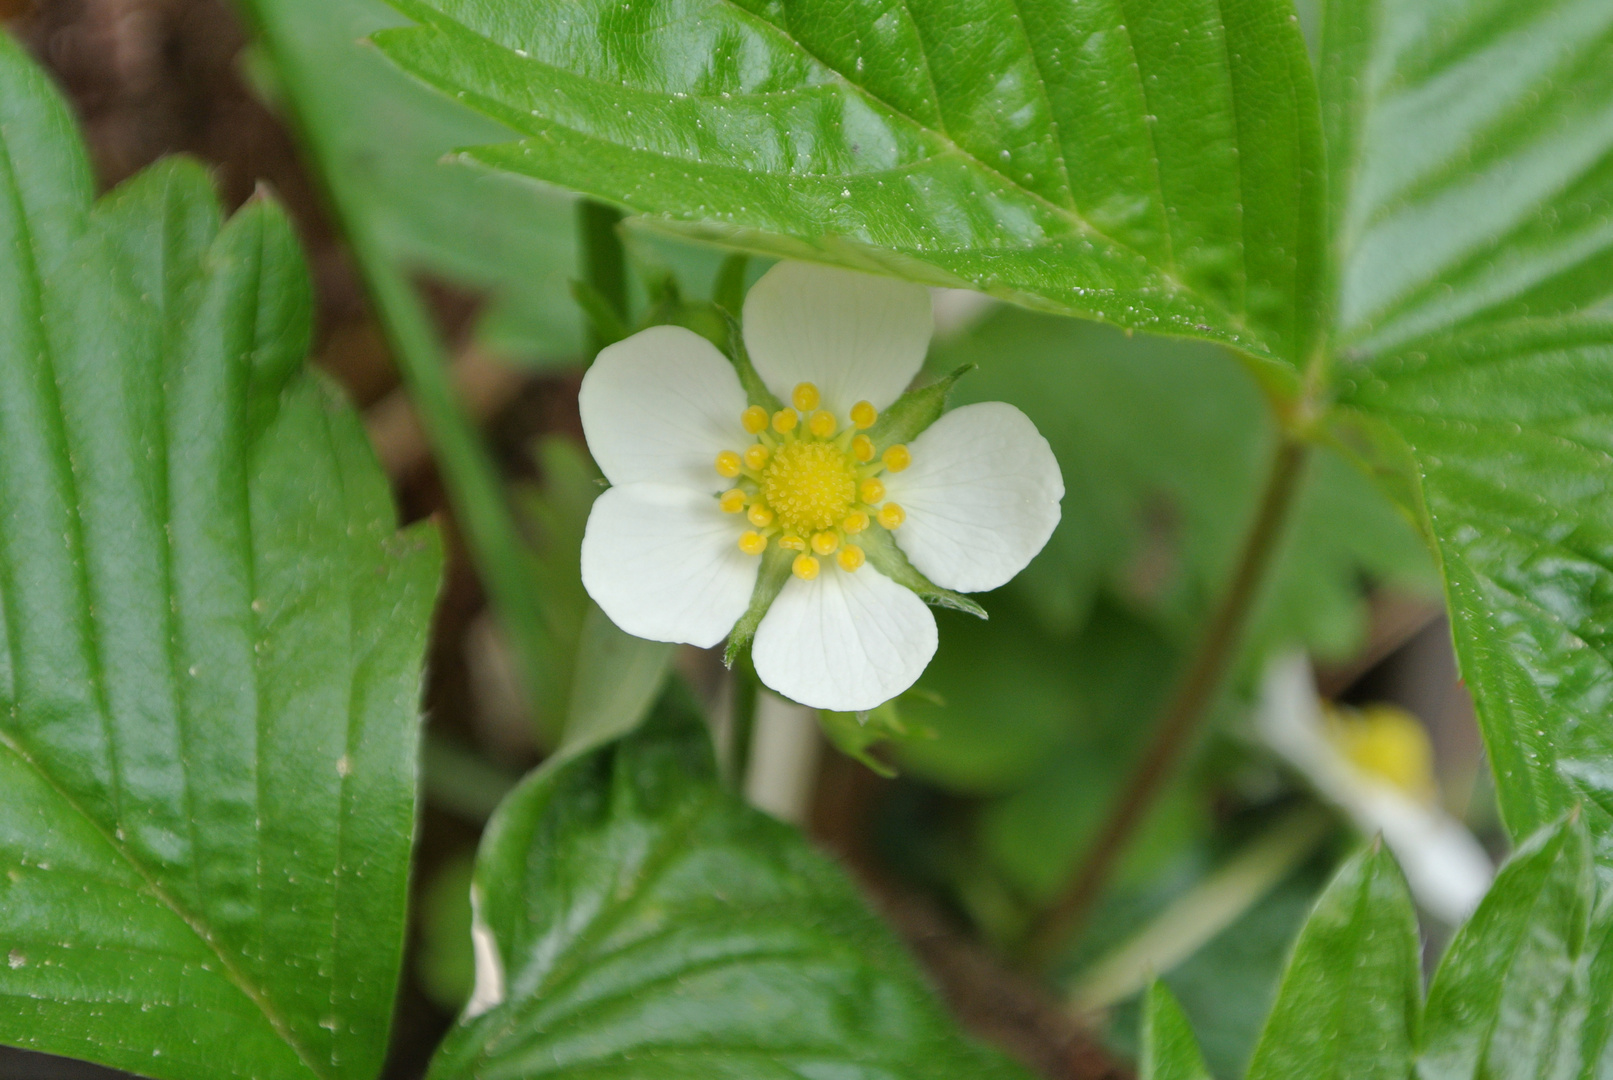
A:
[809,486]
[809,483]
[1389,743]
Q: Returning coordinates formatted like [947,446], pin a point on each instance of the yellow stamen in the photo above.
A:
[805,567]
[809,485]
[754,419]
[851,556]
[785,420]
[760,516]
[756,455]
[791,542]
[752,543]
[728,464]
[891,516]
[863,415]
[862,448]
[871,491]
[806,397]
[824,543]
[822,424]
[897,458]
[732,501]
[855,522]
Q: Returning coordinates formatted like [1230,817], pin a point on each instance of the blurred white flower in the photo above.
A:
[1381,779]
[704,482]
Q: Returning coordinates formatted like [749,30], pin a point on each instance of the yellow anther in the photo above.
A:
[871,490]
[851,556]
[1390,743]
[732,501]
[728,464]
[862,448]
[760,516]
[824,543]
[756,455]
[822,424]
[752,543]
[785,420]
[855,522]
[863,415]
[896,458]
[754,419]
[791,542]
[806,397]
[805,567]
[891,516]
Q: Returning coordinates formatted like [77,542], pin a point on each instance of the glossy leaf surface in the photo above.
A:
[1510,997]
[1350,997]
[1156,167]
[1471,145]
[1511,442]
[210,643]
[645,922]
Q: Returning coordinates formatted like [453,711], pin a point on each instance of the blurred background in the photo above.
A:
[976,809]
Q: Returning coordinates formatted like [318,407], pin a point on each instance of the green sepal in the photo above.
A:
[601,314]
[915,410]
[888,559]
[756,391]
[769,582]
[853,734]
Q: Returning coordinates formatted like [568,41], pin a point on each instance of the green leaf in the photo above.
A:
[645,922]
[1169,1050]
[1471,152]
[1510,431]
[599,681]
[1351,994]
[1160,172]
[210,641]
[1507,1000]
[387,135]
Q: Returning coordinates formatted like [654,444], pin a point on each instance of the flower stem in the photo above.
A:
[742,724]
[603,262]
[1195,694]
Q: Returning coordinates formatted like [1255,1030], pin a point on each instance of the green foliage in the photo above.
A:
[641,914]
[1473,175]
[1159,173]
[1350,997]
[1169,1051]
[1515,483]
[1509,999]
[387,134]
[209,655]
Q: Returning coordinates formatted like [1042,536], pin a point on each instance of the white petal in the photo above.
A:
[660,406]
[664,563]
[845,642]
[982,497]
[856,336]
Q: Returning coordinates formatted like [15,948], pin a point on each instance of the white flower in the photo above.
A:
[1445,867]
[705,481]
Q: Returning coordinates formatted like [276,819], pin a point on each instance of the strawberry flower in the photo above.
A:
[796,506]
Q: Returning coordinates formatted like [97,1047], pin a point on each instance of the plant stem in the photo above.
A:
[1191,702]
[604,263]
[742,724]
